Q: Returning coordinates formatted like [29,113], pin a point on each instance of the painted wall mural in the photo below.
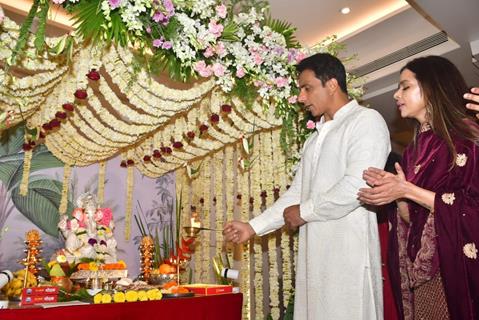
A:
[153,200]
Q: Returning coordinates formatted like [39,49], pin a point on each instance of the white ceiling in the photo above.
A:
[373,29]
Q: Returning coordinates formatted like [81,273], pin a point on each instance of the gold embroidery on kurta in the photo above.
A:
[461,159]
[448,198]
[470,250]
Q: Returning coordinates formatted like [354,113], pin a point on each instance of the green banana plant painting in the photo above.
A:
[40,205]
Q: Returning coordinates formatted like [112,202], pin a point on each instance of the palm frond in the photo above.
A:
[229,32]
[89,20]
[285,28]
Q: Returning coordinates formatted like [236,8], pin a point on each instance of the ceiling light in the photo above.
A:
[345,10]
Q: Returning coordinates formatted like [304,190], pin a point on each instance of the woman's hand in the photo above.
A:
[474,97]
[386,187]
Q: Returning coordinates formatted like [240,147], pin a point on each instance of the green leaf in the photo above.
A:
[42,23]
[11,140]
[40,205]
[247,93]
[229,32]
[24,32]
[89,19]
[41,159]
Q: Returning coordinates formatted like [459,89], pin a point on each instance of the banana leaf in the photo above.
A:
[11,165]
[11,140]
[40,205]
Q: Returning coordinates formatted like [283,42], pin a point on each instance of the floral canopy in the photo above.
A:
[91,95]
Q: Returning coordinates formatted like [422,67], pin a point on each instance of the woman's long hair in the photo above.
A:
[443,87]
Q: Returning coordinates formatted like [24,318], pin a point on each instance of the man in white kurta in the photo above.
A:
[338,267]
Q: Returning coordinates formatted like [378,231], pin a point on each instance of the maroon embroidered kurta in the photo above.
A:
[446,241]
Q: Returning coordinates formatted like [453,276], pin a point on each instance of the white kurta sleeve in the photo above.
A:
[272,218]
[368,146]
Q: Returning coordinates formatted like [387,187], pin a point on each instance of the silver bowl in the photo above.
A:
[162,279]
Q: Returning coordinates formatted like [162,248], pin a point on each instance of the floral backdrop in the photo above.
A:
[142,88]
[156,197]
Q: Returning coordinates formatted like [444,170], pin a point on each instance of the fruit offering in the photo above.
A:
[14,287]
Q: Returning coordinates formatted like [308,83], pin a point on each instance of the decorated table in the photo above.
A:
[224,306]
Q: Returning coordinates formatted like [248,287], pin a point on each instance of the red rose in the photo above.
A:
[54,123]
[60,115]
[130,162]
[215,118]
[47,126]
[68,107]
[190,135]
[146,158]
[123,164]
[42,135]
[93,75]
[203,128]
[177,145]
[156,153]
[168,150]
[226,108]
[32,143]
[81,94]
[27,147]
[263,194]
[276,190]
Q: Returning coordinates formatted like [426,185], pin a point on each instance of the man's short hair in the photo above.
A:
[325,67]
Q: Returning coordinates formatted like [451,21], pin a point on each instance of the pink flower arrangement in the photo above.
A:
[310,124]
[215,28]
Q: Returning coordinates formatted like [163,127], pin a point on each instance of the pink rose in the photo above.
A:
[208,52]
[203,69]
[220,49]
[218,69]
[257,58]
[215,28]
[310,124]
[58,1]
[221,11]
[240,72]
[281,82]
[157,43]
[293,99]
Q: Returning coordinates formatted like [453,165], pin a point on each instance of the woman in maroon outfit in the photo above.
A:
[434,240]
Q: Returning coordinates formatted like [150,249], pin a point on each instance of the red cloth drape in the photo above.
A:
[216,307]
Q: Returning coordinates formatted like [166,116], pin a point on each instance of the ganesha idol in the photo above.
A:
[89,232]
